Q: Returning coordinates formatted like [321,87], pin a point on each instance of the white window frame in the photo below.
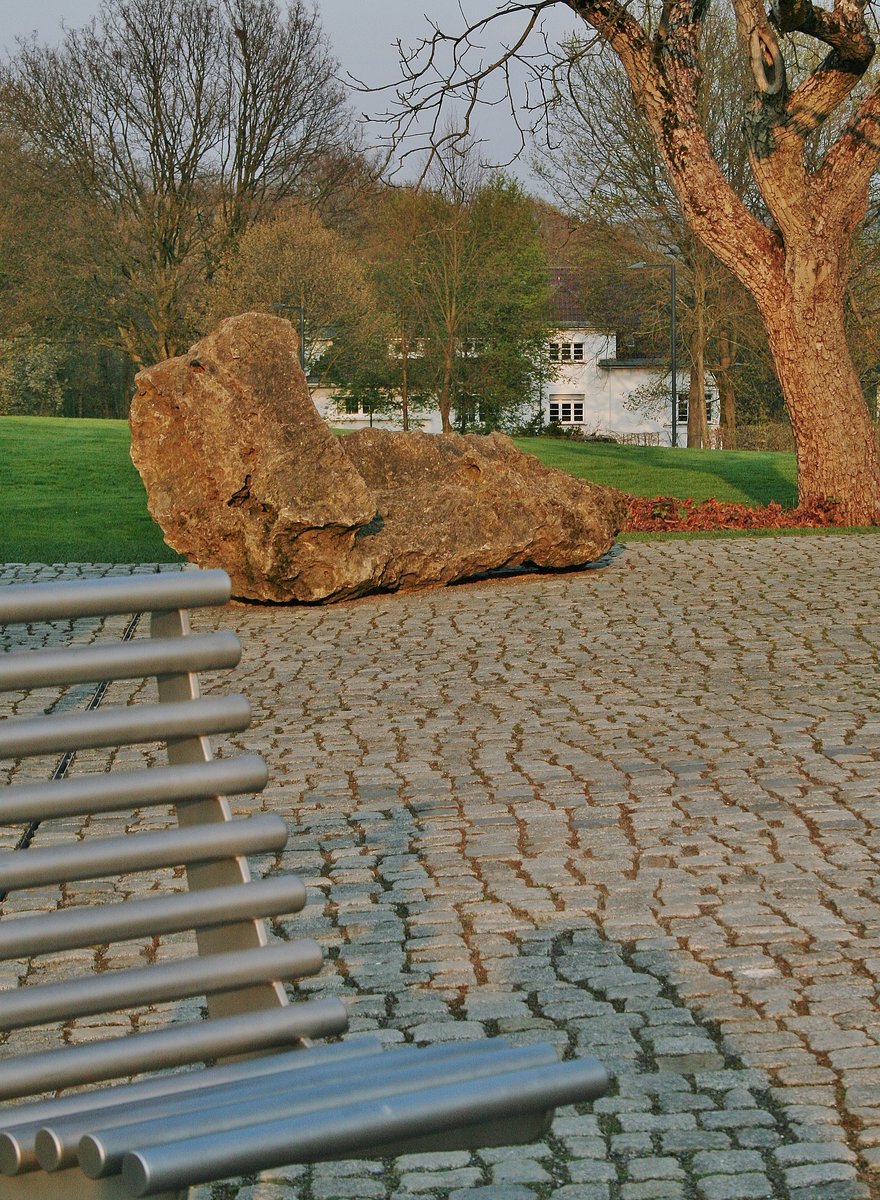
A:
[567,408]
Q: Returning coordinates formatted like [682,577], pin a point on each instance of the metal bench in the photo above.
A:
[268,1095]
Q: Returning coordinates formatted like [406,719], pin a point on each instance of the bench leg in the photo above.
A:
[70,1185]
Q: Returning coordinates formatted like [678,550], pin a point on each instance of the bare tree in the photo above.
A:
[180,121]
[291,263]
[793,253]
[476,282]
[611,176]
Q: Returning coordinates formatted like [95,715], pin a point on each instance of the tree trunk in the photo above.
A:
[726,394]
[698,429]
[404,381]
[795,268]
[444,399]
[836,451]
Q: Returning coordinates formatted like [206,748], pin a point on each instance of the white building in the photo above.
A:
[597,390]
[590,386]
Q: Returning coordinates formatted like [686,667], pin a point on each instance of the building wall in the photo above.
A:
[596,380]
[586,365]
[334,412]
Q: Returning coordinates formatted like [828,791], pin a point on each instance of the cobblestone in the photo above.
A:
[632,811]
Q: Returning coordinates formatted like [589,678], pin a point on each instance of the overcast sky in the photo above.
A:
[362,35]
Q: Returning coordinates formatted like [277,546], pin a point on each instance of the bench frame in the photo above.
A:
[297,1103]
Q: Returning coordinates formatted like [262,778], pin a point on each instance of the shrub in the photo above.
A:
[30,382]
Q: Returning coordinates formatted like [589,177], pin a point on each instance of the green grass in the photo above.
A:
[743,476]
[71,494]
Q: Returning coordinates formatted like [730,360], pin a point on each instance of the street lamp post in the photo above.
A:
[669,265]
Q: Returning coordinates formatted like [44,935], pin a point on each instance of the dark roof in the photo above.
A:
[568,307]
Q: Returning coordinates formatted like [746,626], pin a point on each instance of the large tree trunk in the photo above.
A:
[836,450]
[796,265]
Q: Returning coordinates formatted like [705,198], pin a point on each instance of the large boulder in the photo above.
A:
[452,507]
[242,473]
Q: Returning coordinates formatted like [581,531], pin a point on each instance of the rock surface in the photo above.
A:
[452,507]
[242,473]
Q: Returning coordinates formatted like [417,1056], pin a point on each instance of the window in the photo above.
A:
[683,407]
[566,352]
[352,407]
[567,410]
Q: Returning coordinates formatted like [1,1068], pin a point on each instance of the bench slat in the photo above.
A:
[58,1136]
[73,928]
[125,660]
[98,858]
[350,1128]
[151,788]
[101,1153]
[158,1049]
[166,590]
[55,734]
[72,1116]
[111,991]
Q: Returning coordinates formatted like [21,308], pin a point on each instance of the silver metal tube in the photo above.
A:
[23,736]
[103,857]
[247,1033]
[151,788]
[114,990]
[116,594]
[60,1136]
[72,928]
[101,1153]
[360,1126]
[123,660]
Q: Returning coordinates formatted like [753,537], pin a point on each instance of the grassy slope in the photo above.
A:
[71,494]
[743,476]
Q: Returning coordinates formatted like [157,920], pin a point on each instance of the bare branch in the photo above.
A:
[844,29]
[855,156]
[440,74]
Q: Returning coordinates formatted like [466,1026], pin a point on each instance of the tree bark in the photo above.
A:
[796,267]
[836,450]
[404,380]
[444,398]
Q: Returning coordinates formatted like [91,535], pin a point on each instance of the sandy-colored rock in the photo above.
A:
[452,507]
[242,473]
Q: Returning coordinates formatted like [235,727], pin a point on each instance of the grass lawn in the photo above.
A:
[742,476]
[71,494]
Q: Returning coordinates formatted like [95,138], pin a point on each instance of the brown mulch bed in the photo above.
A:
[667,514]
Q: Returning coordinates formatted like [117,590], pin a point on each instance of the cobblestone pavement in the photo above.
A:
[632,811]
